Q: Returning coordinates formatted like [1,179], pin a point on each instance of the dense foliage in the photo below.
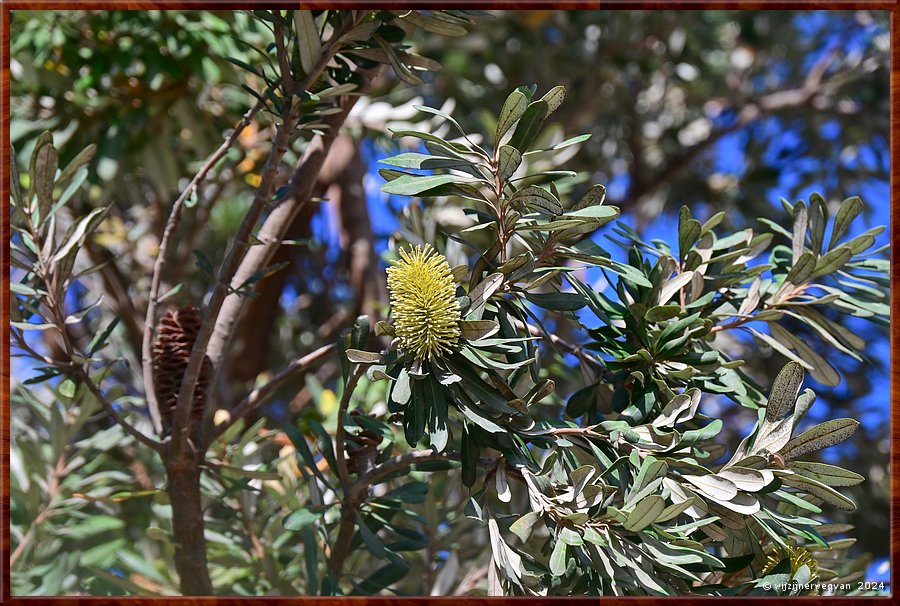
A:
[442,456]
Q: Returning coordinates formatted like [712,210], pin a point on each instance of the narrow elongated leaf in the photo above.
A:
[673,511]
[595,196]
[373,543]
[512,110]
[817,489]
[847,212]
[554,98]
[483,291]
[79,161]
[750,480]
[523,526]
[425,161]
[299,519]
[435,24]
[80,232]
[557,301]
[821,436]
[472,330]
[717,487]
[818,217]
[784,391]
[645,513]
[363,357]
[673,286]
[469,458]
[601,214]
[830,475]
[536,197]
[558,559]
[410,185]
[560,145]
[529,125]
[383,578]
[438,432]
[802,268]
[831,262]
[688,233]
[308,43]
[798,238]
[510,158]
[417,410]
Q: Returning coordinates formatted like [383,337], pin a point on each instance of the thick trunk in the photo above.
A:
[187,527]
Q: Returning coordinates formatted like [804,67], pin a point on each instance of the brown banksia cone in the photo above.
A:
[175,336]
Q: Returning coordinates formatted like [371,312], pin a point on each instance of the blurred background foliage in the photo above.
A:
[721,110]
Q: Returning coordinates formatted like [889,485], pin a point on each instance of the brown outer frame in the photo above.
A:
[9,5]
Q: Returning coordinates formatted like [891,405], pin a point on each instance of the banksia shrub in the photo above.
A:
[176,333]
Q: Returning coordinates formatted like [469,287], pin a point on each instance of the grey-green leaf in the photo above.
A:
[410,185]
[472,330]
[798,238]
[817,489]
[523,526]
[510,158]
[529,125]
[830,475]
[831,262]
[308,43]
[554,98]
[688,233]
[847,212]
[536,197]
[821,436]
[557,301]
[595,196]
[512,110]
[358,356]
[802,268]
[645,513]
[784,392]
[558,559]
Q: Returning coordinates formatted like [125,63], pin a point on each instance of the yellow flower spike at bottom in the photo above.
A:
[423,301]
[798,557]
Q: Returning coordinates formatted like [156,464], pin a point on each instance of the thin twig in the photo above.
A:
[111,411]
[45,513]
[571,348]
[403,461]
[259,395]
[340,434]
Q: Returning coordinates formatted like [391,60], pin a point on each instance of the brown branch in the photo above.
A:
[272,234]
[814,84]
[259,395]
[222,289]
[301,184]
[340,434]
[571,348]
[159,265]
[403,461]
[355,495]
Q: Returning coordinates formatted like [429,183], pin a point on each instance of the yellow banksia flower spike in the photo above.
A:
[799,557]
[423,301]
